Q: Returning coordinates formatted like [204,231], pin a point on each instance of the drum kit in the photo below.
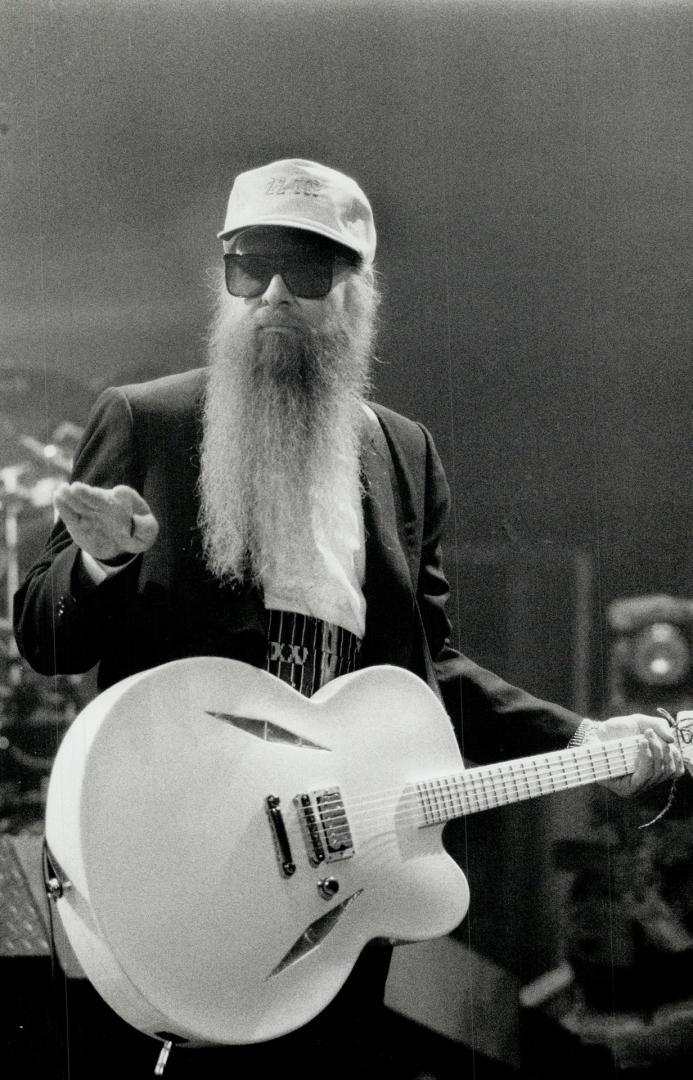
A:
[40,428]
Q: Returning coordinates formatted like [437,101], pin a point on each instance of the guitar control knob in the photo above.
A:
[328,887]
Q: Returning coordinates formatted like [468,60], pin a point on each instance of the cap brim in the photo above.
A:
[293,223]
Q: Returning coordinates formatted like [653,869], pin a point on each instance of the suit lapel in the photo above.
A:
[388,587]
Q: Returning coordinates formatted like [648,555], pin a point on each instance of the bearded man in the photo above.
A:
[260,508]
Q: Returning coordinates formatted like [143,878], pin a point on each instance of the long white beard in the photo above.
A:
[281,440]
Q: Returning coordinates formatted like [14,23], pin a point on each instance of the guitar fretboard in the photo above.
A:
[489,786]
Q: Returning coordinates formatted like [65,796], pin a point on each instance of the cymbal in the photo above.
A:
[34,404]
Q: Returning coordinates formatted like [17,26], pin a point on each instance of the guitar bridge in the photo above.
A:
[324,825]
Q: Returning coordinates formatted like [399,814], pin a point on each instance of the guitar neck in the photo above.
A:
[489,786]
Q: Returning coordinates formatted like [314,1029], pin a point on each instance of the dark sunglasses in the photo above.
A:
[308,276]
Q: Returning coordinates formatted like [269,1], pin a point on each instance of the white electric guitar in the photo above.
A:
[224,847]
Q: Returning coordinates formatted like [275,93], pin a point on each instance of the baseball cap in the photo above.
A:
[303,195]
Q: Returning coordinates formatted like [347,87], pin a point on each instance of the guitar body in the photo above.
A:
[200,909]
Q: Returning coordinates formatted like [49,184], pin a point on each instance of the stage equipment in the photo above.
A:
[629,909]
[23,921]
[651,654]
[34,712]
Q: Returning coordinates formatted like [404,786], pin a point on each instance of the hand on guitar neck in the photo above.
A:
[659,758]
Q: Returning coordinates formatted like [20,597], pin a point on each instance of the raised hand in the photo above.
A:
[106,522]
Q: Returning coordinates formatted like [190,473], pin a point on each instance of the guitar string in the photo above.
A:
[477,795]
[408,812]
[459,801]
[478,789]
[531,770]
[410,802]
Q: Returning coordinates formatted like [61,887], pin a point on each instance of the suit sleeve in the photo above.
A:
[493,719]
[60,620]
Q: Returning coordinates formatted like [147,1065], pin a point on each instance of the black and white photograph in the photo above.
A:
[346,547]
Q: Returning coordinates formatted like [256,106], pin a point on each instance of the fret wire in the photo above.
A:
[493,794]
[483,787]
[427,802]
[439,802]
[524,776]
[450,796]
[505,787]
[473,789]
[512,780]
[503,771]
[439,798]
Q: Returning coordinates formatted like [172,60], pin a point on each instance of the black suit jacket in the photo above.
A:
[166,604]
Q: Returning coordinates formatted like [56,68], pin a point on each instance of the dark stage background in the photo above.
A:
[529,166]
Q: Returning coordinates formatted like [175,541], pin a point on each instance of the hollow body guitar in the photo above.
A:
[225,847]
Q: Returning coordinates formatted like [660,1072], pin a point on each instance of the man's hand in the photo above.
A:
[658,760]
[106,522]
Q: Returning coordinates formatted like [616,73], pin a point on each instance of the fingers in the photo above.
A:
[659,757]
[130,499]
[144,527]
[675,761]
[93,504]
[72,497]
[657,724]
[657,761]
[654,769]
[106,522]
[642,775]
[144,530]
[667,761]
[71,517]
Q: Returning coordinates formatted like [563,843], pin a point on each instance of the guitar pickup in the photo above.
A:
[325,826]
